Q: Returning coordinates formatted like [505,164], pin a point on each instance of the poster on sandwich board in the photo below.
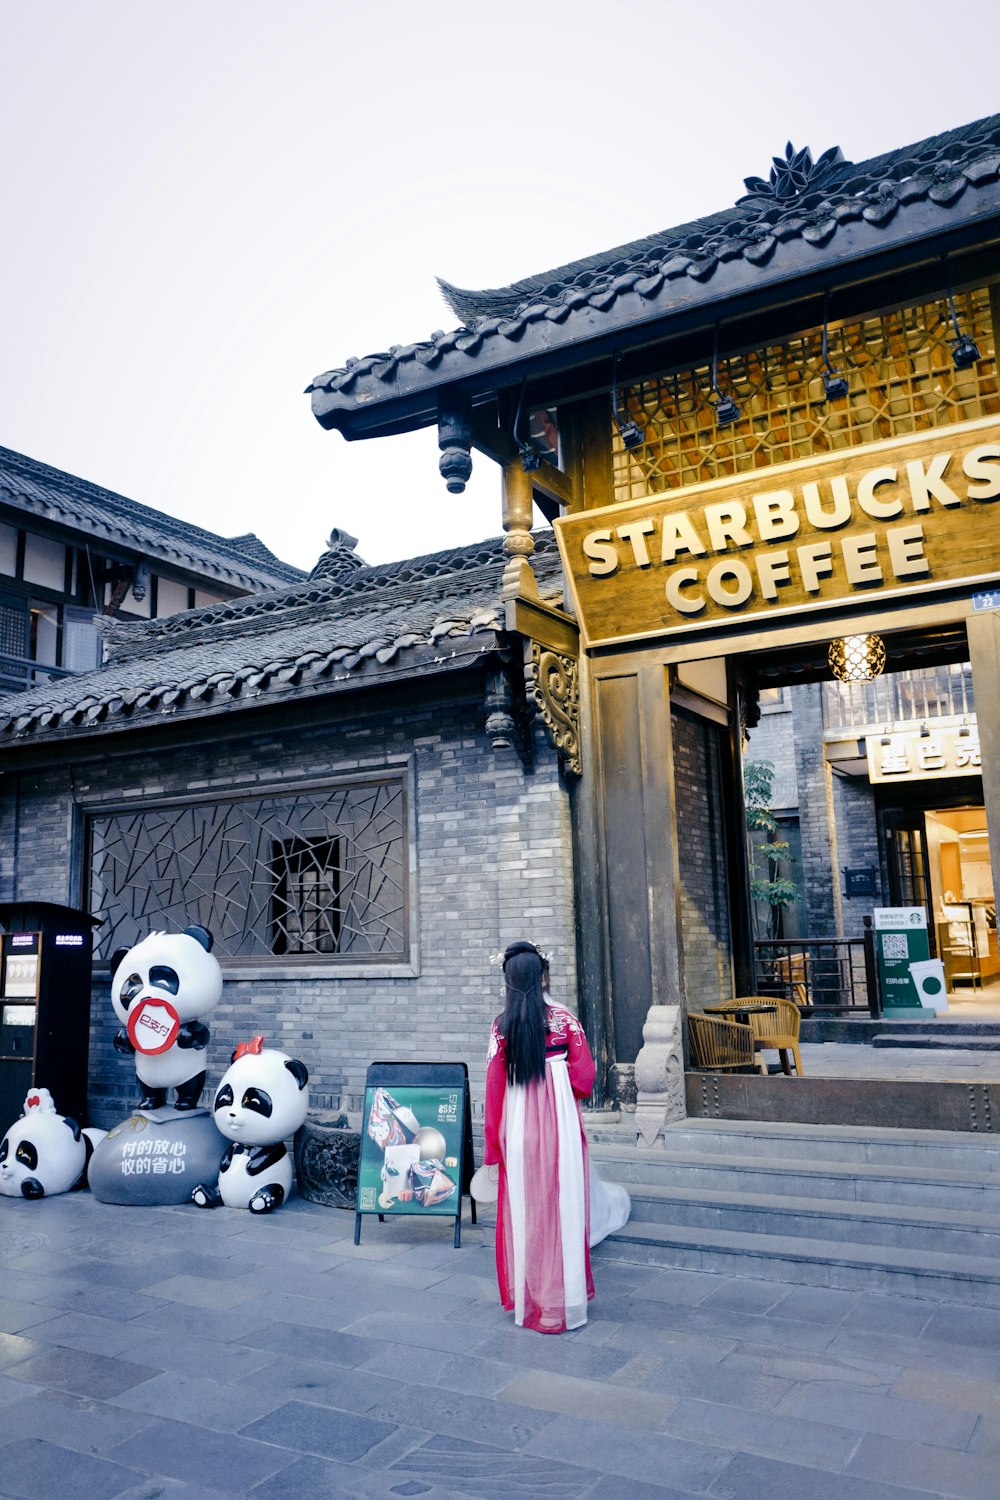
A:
[416,1142]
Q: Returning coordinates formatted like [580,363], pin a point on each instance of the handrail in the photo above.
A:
[821,975]
[20,672]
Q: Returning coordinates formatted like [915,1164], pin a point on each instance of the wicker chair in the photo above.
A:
[777,1030]
[718,1045]
[793,972]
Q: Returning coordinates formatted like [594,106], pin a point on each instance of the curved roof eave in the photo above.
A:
[896,210]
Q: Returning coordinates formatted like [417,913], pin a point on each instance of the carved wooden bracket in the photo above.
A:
[553,681]
[508,719]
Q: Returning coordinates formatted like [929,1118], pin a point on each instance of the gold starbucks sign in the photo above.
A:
[913,513]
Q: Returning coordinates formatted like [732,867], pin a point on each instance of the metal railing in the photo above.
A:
[901,697]
[821,975]
[20,672]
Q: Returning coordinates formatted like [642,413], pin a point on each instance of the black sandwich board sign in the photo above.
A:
[416,1142]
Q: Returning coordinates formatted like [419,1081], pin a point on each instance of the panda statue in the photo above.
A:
[260,1102]
[160,989]
[44,1152]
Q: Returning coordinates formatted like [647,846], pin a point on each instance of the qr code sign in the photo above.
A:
[894,945]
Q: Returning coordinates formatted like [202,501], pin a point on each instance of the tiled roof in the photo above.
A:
[950,172]
[402,617]
[38,490]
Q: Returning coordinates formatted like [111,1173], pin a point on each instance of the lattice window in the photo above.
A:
[320,871]
[14,624]
[900,375]
[306,905]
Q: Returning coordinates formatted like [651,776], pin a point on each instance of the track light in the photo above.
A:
[964,349]
[630,432]
[965,352]
[725,407]
[835,384]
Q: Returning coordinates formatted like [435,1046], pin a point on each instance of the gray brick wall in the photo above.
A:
[773,739]
[493,863]
[854,808]
[703,872]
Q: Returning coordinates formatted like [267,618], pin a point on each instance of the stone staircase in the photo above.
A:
[910,1212]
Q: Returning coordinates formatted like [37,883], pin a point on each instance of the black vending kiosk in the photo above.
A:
[46,953]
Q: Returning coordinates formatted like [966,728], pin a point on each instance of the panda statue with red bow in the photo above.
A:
[260,1102]
[160,990]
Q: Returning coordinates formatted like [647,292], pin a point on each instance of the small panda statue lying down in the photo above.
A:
[260,1102]
[44,1152]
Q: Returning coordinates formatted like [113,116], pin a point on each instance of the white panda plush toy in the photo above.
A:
[260,1102]
[44,1152]
[160,989]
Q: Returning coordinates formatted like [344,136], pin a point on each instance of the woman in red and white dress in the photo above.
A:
[539,1068]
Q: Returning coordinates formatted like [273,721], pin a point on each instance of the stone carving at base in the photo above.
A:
[326,1162]
[659,1073]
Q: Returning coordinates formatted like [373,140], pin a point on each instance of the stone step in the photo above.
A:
[975,1192]
[929,1150]
[973,1279]
[938,1042]
[862,1030]
[957,1231]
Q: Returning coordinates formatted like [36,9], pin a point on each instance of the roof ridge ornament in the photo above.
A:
[794,174]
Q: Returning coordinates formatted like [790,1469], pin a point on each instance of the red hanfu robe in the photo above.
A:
[535,1133]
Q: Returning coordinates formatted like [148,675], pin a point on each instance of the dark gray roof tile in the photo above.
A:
[271,643]
[802,201]
[37,489]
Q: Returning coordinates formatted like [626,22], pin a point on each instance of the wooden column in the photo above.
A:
[585,435]
[519,544]
[585,440]
[984,654]
[638,874]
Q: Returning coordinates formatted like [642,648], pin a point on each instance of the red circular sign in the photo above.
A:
[153,1026]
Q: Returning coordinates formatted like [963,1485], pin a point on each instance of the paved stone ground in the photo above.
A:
[179,1354]
[857,1060]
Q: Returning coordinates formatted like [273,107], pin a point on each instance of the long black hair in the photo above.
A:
[523,1022]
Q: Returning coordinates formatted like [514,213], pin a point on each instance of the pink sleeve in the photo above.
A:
[582,1068]
[496,1088]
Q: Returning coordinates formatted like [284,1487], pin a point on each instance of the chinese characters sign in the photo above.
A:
[912,755]
[900,942]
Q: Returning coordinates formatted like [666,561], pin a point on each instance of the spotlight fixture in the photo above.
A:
[925,731]
[964,349]
[835,384]
[531,459]
[964,729]
[887,735]
[857,658]
[726,409]
[630,432]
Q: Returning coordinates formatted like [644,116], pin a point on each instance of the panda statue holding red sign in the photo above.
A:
[160,990]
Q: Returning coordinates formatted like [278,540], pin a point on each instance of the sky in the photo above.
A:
[208,202]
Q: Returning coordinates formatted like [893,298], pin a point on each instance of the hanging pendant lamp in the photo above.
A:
[857,658]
